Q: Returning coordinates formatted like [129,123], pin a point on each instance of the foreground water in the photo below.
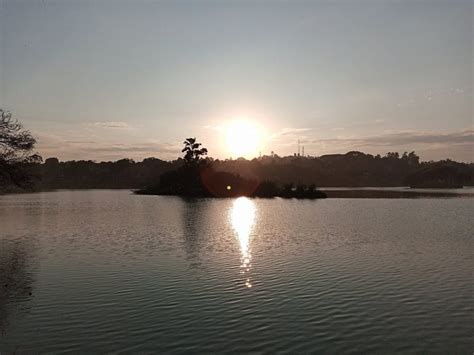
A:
[96,271]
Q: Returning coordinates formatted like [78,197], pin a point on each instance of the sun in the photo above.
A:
[243,138]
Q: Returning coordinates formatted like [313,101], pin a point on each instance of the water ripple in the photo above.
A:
[112,272]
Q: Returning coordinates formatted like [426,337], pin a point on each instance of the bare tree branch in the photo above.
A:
[16,151]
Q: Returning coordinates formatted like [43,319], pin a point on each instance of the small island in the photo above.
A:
[197,178]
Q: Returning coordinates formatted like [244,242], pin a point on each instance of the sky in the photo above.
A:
[105,80]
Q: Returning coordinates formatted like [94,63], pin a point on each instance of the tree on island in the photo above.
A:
[198,178]
[187,179]
[193,152]
[16,152]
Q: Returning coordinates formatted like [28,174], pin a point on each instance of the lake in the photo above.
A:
[97,271]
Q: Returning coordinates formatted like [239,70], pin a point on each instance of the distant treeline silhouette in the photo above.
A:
[22,169]
[203,181]
[353,169]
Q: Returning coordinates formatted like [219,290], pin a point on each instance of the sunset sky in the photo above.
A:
[105,80]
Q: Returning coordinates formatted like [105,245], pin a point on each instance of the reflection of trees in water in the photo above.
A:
[15,280]
[193,215]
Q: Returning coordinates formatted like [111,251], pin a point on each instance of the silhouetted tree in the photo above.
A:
[443,174]
[192,151]
[186,180]
[392,155]
[413,159]
[16,152]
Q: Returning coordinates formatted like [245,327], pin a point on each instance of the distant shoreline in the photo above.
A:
[395,192]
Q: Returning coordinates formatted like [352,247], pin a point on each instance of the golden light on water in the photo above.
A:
[242,217]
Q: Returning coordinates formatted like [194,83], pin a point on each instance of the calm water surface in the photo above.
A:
[96,271]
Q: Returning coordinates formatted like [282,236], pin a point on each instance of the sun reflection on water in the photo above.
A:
[242,216]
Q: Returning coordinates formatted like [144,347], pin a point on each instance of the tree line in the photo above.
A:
[353,169]
[21,167]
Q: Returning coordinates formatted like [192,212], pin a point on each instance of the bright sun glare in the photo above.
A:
[243,138]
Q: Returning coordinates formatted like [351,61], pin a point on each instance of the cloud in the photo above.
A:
[151,148]
[218,128]
[404,138]
[112,124]
[50,145]
[79,142]
[291,131]
[457,145]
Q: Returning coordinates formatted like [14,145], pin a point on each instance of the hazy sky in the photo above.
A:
[110,79]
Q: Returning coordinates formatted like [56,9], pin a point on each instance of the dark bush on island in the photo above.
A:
[267,189]
[185,181]
[301,191]
[203,181]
